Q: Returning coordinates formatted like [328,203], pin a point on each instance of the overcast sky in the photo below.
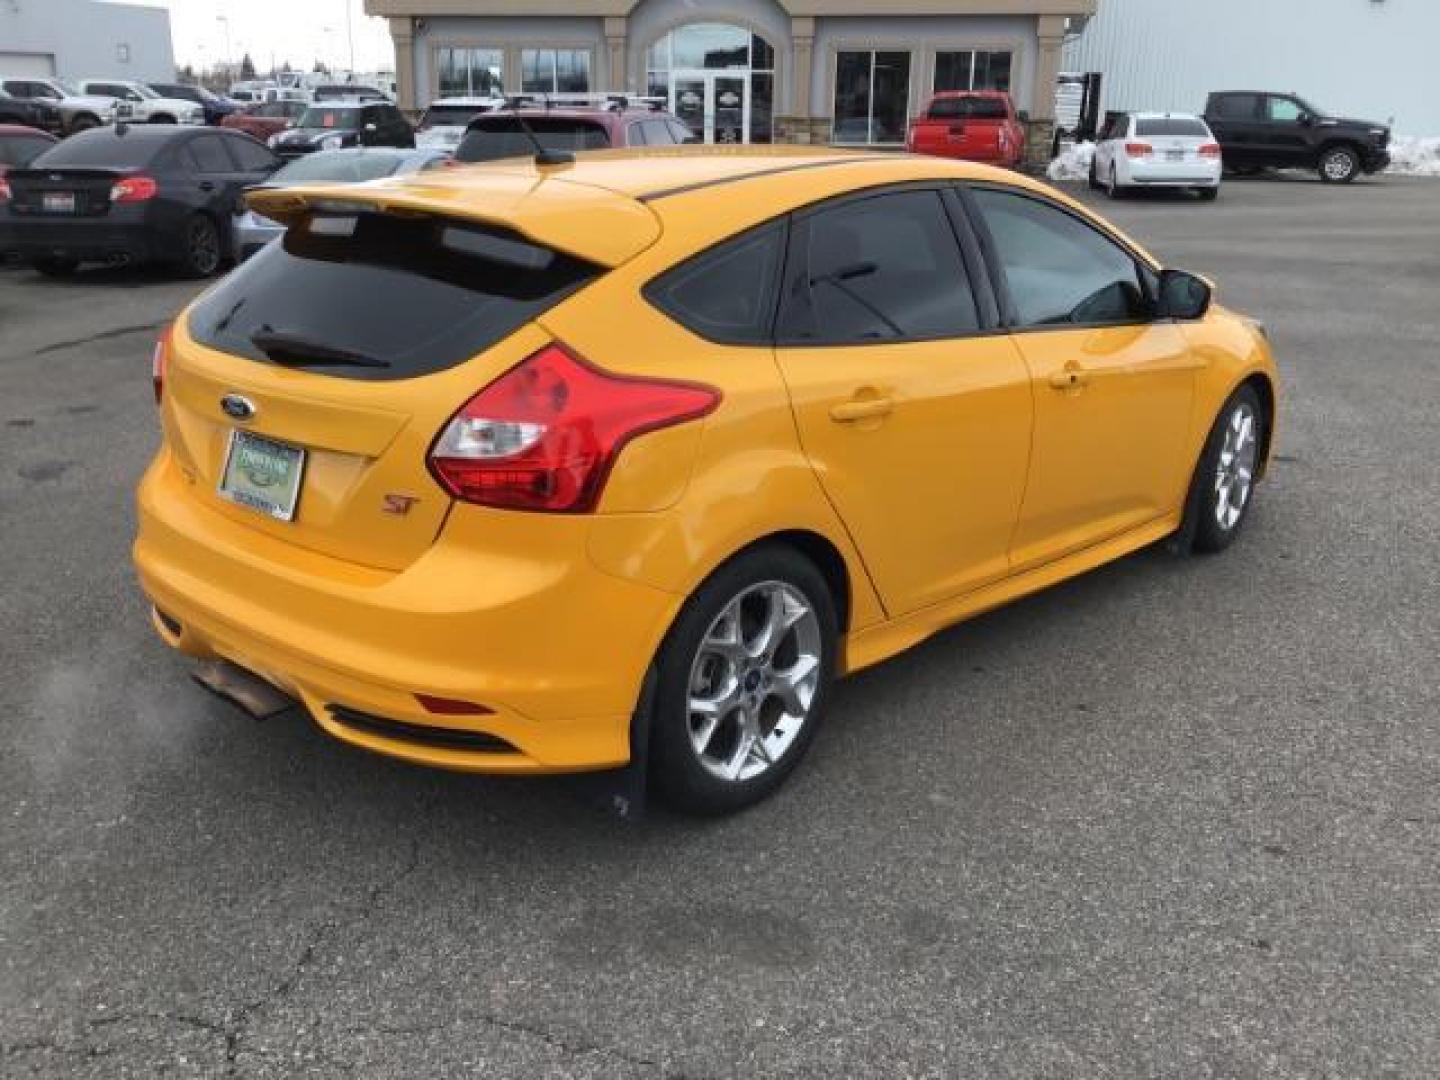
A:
[300,31]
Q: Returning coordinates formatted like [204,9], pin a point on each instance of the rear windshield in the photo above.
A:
[1172,127]
[968,108]
[20,150]
[450,115]
[493,138]
[329,118]
[102,147]
[339,166]
[417,294]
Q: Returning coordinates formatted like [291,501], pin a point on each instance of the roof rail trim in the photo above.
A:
[685,189]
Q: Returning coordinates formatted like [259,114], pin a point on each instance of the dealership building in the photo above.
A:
[740,71]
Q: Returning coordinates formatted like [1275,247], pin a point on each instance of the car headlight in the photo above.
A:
[332,142]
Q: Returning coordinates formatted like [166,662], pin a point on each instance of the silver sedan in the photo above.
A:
[352,166]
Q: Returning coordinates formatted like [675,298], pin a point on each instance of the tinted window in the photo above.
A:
[338,166]
[1173,127]
[20,150]
[108,89]
[968,108]
[635,135]
[251,155]
[728,293]
[420,294]
[103,147]
[1059,269]
[493,138]
[1236,106]
[209,155]
[879,269]
[450,115]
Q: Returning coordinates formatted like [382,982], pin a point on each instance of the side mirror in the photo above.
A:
[1184,296]
[1024,115]
[1305,119]
[370,128]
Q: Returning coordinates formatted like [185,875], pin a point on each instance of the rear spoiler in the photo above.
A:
[581,220]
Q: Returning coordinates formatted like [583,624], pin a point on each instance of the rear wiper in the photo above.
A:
[293,350]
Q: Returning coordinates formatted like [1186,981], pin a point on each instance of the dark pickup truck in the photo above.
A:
[1259,129]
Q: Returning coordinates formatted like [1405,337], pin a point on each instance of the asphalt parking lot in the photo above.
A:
[1179,818]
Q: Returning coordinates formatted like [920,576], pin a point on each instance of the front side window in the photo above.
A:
[872,97]
[555,71]
[1284,110]
[1060,271]
[470,72]
[726,294]
[972,70]
[884,268]
[252,156]
[209,156]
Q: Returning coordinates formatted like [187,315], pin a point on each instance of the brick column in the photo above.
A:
[796,127]
[616,42]
[402,33]
[1050,32]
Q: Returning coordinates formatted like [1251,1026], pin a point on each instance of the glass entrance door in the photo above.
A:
[714,105]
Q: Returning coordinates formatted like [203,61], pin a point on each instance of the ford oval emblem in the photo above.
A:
[237,407]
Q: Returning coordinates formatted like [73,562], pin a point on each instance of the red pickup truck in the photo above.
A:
[974,125]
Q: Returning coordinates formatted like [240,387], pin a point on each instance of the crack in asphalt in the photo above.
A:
[101,335]
[237,1022]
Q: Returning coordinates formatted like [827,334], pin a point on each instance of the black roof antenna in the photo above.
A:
[543,158]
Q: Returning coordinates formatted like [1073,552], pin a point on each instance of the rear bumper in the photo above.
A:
[555,648]
[1172,174]
[98,239]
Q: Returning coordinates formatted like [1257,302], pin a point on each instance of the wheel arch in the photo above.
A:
[1265,390]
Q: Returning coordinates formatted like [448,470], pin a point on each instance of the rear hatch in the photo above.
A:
[333,358]
[963,127]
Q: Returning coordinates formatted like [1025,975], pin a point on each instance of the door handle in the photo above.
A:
[863,409]
[1071,378]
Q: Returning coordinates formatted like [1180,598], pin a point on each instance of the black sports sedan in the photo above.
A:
[129,194]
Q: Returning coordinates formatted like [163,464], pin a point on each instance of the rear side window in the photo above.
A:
[492,139]
[209,156]
[102,147]
[968,108]
[1236,106]
[728,293]
[884,268]
[417,294]
[1172,127]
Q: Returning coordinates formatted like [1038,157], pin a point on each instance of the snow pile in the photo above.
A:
[1073,164]
[1410,156]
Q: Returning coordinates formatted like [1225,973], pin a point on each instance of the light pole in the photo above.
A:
[349,35]
[225,20]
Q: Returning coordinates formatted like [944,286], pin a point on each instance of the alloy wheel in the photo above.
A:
[753,681]
[1235,471]
[1338,165]
[204,247]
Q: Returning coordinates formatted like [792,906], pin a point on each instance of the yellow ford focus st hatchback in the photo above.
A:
[526,469]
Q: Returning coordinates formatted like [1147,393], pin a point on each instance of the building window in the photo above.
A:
[470,72]
[719,79]
[972,70]
[555,71]
[872,97]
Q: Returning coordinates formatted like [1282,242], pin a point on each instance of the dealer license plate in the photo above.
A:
[262,474]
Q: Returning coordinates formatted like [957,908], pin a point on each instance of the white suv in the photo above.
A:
[146,106]
[1149,150]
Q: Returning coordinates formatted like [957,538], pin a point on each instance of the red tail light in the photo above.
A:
[545,434]
[1210,149]
[4,190]
[159,362]
[1138,149]
[134,189]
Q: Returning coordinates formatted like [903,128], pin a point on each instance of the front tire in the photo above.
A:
[57,267]
[200,254]
[1339,165]
[742,681]
[1223,488]
[162,118]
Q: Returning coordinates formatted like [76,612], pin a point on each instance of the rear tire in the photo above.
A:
[1112,186]
[57,268]
[200,256]
[742,681]
[1094,177]
[1223,488]
[162,118]
[1339,165]
[84,122]
[1208,194]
